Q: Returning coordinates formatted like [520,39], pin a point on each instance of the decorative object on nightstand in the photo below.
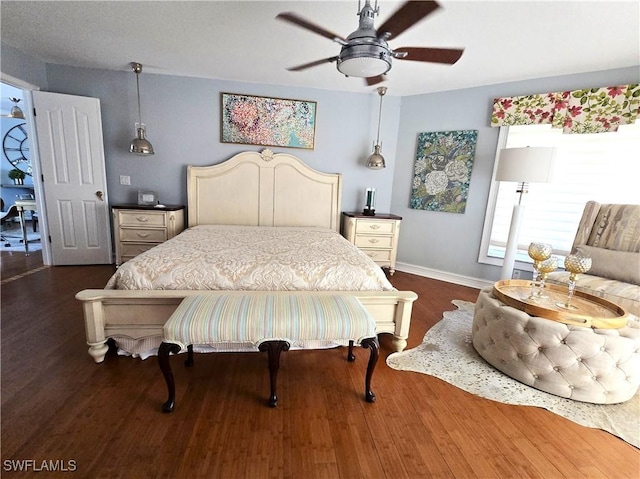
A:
[140,145]
[147,198]
[139,228]
[376,235]
[521,165]
[370,202]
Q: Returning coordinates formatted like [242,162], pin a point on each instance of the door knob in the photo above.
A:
[99,195]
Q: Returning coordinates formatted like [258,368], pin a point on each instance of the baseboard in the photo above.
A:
[444,276]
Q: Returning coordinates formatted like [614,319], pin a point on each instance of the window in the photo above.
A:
[604,167]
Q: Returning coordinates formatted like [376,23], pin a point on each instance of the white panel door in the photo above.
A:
[71,153]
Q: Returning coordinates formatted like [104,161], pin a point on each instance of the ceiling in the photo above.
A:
[241,40]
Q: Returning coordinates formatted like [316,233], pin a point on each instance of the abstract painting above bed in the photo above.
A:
[252,258]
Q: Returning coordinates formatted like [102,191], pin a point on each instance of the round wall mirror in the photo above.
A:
[15,146]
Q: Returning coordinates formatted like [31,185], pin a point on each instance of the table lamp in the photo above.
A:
[523,166]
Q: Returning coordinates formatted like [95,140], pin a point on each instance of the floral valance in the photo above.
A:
[592,110]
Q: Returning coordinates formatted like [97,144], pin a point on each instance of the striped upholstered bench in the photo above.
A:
[271,322]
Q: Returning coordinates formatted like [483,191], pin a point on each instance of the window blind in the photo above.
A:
[603,167]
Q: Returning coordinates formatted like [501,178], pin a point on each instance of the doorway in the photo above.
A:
[18,182]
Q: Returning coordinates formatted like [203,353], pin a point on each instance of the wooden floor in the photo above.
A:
[104,421]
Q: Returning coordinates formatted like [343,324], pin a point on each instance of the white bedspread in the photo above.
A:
[253,258]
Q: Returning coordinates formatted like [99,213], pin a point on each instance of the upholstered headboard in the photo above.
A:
[263,189]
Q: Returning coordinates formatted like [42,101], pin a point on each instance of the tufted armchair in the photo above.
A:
[599,366]
[610,235]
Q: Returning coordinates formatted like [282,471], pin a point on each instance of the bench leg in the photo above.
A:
[165,367]
[189,361]
[372,344]
[350,356]
[274,348]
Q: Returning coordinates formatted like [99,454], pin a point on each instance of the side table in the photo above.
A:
[376,235]
[139,228]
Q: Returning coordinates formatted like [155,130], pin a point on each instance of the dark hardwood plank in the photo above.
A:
[57,404]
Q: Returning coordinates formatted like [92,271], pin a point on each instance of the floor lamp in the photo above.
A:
[523,166]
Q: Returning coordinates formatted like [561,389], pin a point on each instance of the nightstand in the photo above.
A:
[376,235]
[139,228]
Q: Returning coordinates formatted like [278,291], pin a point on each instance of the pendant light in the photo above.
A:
[16,111]
[140,145]
[376,160]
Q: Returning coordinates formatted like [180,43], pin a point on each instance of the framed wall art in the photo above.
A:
[442,170]
[259,120]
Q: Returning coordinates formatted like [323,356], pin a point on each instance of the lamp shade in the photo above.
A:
[140,145]
[526,165]
[363,67]
[376,160]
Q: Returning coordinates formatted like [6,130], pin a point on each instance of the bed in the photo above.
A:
[286,212]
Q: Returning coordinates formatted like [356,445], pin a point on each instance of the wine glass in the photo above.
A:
[575,264]
[545,267]
[538,252]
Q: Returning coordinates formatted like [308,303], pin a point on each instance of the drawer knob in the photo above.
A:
[142,219]
[143,235]
[374,227]
[373,240]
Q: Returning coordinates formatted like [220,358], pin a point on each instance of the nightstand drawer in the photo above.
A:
[143,235]
[375,227]
[129,250]
[367,241]
[142,218]
[378,255]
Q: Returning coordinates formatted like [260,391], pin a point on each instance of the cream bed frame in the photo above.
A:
[254,189]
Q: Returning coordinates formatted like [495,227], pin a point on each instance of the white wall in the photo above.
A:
[22,66]
[183,124]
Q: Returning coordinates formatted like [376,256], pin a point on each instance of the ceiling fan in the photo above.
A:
[365,53]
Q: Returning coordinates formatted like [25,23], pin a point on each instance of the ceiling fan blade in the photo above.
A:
[312,64]
[406,16]
[434,55]
[375,80]
[307,25]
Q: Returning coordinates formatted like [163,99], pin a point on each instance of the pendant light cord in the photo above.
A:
[379,118]
[138,89]
[381,91]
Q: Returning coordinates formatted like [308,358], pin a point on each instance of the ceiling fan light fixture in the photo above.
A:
[140,145]
[364,60]
[364,67]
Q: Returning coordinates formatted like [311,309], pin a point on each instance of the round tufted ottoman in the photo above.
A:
[599,366]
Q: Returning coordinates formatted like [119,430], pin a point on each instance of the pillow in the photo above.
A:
[608,263]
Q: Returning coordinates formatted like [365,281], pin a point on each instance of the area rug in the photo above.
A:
[15,236]
[447,353]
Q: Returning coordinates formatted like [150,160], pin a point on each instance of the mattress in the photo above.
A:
[252,258]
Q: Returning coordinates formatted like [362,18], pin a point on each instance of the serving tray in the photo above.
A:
[590,311]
